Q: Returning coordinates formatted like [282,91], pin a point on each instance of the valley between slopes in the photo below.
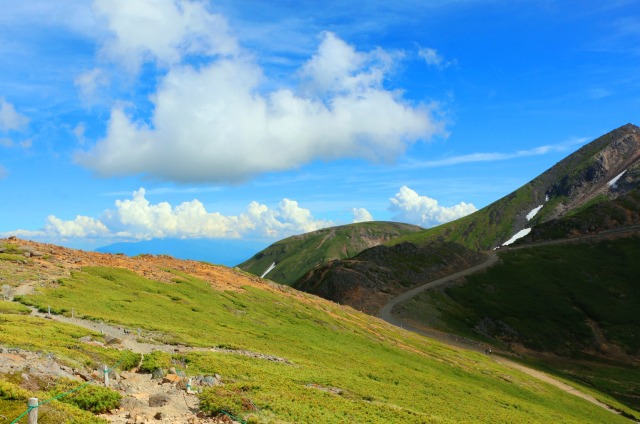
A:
[386,313]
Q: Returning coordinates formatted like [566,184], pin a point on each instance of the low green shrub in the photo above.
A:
[155,360]
[91,397]
[13,308]
[10,391]
[218,400]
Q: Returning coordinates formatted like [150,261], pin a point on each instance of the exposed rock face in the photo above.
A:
[369,280]
[593,176]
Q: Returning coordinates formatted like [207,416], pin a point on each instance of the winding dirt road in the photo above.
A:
[386,313]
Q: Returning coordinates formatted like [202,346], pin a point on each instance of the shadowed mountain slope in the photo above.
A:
[295,256]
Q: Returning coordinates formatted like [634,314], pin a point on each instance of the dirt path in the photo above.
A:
[554,382]
[131,341]
[144,399]
[385,312]
[387,315]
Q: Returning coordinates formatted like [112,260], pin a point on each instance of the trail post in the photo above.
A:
[32,418]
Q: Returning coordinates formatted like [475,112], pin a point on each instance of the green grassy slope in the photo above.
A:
[383,374]
[565,182]
[578,300]
[295,256]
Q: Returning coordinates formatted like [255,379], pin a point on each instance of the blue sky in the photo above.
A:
[124,121]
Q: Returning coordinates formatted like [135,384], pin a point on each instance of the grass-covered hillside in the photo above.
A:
[282,356]
[578,301]
[295,256]
[579,179]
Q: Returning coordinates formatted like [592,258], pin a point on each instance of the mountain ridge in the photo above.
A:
[567,185]
[295,255]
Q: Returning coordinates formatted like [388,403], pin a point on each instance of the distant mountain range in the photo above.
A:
[215,251]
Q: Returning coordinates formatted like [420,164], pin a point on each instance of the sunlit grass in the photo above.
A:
[384,374]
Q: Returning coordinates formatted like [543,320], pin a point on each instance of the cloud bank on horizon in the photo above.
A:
[214,119]
[138,219]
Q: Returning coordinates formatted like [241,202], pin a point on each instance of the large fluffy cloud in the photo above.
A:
[213,120]
[410,207]
[162,30]
[139,219]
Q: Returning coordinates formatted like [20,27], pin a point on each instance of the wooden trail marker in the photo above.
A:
[32,417]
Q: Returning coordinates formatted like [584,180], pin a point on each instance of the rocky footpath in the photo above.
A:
[165,396]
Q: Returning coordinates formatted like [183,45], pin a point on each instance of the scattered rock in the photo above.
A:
[110,340]
[172,378]
[210,381]
[334,390]
[130,403]
[159,399]
[157,374]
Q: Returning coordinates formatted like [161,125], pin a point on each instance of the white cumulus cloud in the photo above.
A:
[410,207]
[81,226]
[215,122]
[361,215]
[10,119]
[162,31]
[139,219]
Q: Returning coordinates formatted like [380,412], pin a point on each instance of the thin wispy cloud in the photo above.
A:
[167,190]
[10,119]
[433,58]
[499,156]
